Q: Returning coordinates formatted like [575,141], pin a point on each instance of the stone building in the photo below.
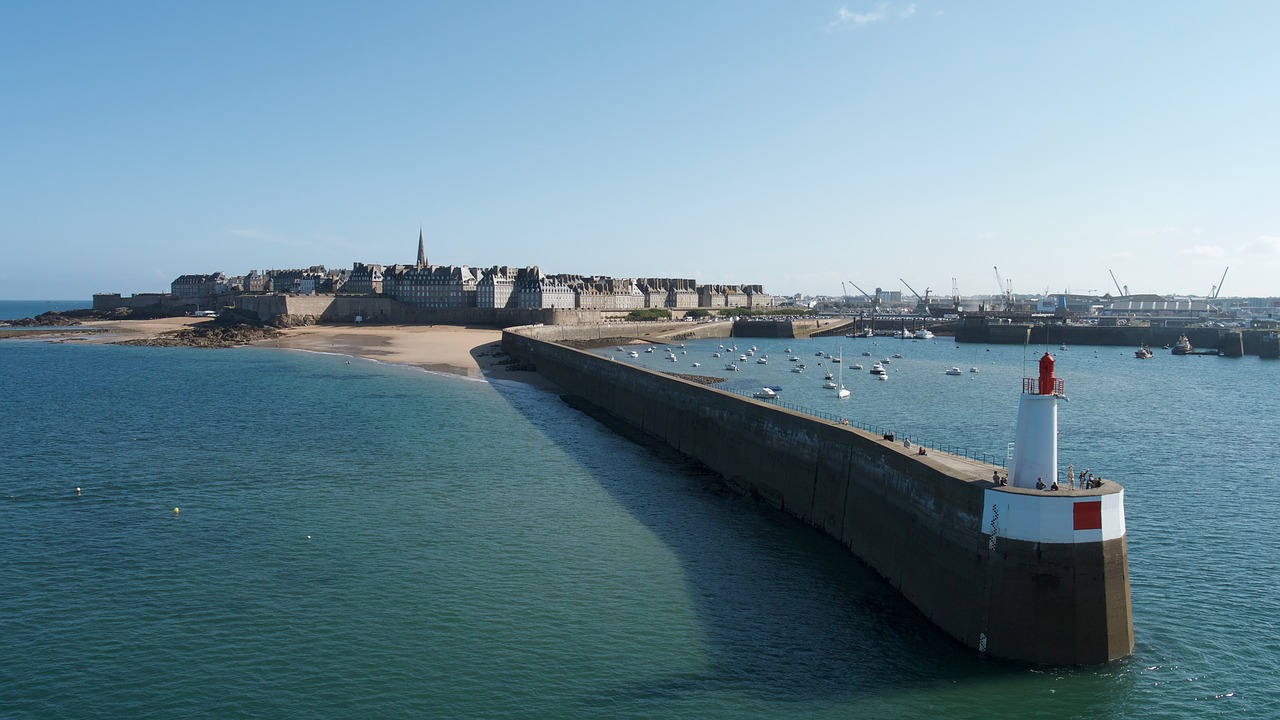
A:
[364,280]
[533,289]
[496,288]
[199,286]
[433,286]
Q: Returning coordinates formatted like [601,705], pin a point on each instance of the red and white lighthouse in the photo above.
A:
[1035,449]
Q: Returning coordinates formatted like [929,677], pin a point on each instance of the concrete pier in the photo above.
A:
[1014,573]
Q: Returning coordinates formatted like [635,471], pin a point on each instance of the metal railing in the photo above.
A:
[882,431]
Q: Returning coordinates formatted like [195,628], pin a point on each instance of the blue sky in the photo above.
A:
[796,144]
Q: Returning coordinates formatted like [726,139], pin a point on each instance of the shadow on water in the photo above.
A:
[787,612]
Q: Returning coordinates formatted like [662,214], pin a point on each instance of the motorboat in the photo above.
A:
[731,367]
[828,376]
[648,349]
[898,355]
[797,369]
[762,361]
[715,355]
[742,358]
[788,350]
[1182,347]
[954,371]
[866,353]
[697,364]
[794,358]
[877,369]
[829,384]
[766,393]
[1143,353]
[973,369]
[924,334]
[835,359]
[857,366]
[634,354]
[672,358]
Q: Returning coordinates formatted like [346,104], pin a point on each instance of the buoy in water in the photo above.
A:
[175,511]
[77,491]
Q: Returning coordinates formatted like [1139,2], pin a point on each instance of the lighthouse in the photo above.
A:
[1035,448]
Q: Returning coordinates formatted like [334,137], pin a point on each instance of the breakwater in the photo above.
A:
[1007,571]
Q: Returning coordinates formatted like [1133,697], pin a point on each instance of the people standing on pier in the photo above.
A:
[1040,483]
[1071,477]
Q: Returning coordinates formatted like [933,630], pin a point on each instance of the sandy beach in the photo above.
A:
[469,352]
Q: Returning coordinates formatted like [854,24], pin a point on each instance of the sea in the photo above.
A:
[265,533]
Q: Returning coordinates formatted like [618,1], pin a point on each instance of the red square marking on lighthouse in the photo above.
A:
[1088,515]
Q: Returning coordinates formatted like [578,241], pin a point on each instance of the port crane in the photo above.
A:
[1125,291]
[1006,289]
[1218,288]
[922,303]
[875,301]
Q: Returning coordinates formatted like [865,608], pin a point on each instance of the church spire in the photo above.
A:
[422,251]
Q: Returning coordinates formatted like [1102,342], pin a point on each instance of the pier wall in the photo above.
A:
[916,520]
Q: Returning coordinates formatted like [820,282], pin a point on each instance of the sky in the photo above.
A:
[798,145]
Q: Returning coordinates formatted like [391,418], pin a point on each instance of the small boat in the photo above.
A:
[898,355]
[715,354]
[1063,346]
[766,393]
[818,354]
[648,349]
[828,376]
[857,366]
[973,369]
[697,364]
[634,354]
[830,385]
[954,371]
[884,377]
[842,391]
[1143,353]
[798,369]
[866,353]
[788,350]
[877,369]
[794,358]
[835,359]
[923,334]
[742,358]
[672,358]
[762,361]
[731,367]
[1182,347]
[620,349]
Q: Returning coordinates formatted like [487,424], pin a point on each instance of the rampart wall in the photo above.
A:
[916,520]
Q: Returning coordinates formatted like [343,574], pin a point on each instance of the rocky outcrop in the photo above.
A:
[208,335]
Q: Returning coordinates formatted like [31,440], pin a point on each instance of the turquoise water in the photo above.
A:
[366,540]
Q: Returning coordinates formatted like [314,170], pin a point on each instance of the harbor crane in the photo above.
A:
[1125,291]
[1213,294]
[875,301]
[1006,290]
[922,303]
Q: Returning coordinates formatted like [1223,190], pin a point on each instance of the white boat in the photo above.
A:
[828,376]
[842,391]
[715,354]
[697,364]
[829,384]
[648,349]
[788,350]
[898,355]
[742,358]
[766,393]
[731,367]
[620,349]
[973,369]
[634,354]
[866,353]
[797,369]
[954,371]
[794,358]
[877,369]
[762,361]
[836,359]
[857,366]
[884,377]
[672,358]
[923,334]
